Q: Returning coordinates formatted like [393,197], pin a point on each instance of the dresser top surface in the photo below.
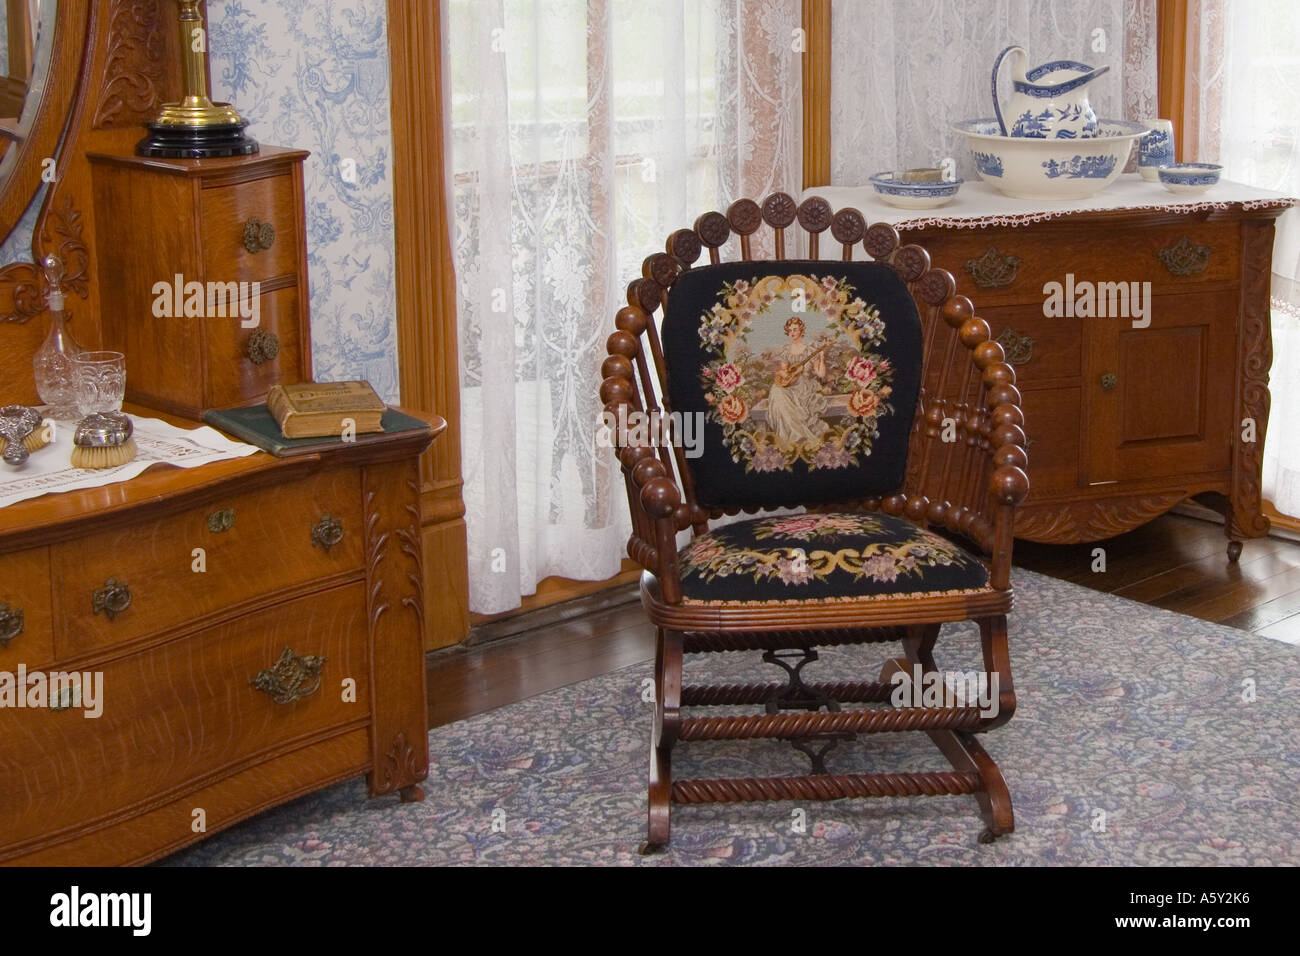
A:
[977,204]
[72,514]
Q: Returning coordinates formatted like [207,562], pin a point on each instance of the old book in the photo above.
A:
[325,409]
[255,425]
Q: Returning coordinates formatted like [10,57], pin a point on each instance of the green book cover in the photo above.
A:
[256,426]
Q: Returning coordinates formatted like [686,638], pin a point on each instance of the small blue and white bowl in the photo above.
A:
[915,188]
[1189,177]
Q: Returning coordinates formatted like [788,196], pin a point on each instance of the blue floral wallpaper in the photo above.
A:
[314,74]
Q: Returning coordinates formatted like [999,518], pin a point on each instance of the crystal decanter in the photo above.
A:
[53,362]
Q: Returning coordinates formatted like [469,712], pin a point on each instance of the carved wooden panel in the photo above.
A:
[135,68]
[1091,520]
[395,608]
[1255,358]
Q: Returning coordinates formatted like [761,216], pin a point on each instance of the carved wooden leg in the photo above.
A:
[919,644]
[997,663]
[668,698]
[965,753]
[412,794]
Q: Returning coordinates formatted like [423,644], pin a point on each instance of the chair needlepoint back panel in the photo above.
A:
[870,393]
[805,373]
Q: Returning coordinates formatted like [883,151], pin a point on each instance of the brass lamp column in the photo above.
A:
[196,127]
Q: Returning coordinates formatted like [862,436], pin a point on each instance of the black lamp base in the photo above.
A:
[196,142]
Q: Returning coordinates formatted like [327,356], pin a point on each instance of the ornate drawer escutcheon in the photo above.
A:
[11,623]
[1109,381]
[1017,346]
[290,678]
[993,269]
[112,599]
[221,521]
[327,532]
[1185,258]
[263,346]
[258,235]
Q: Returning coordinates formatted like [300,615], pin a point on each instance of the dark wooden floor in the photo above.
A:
[1175,562]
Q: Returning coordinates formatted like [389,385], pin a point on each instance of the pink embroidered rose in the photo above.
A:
[797,526]
[728,376]
[732,409]
[862,371]
[829,283]
[863,403]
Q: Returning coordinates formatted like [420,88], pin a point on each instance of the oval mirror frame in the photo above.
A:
[53,115]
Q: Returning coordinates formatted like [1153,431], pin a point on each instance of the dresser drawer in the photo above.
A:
[26,625]
[1013,266]
[178,714]
[1038,348]
[250,230]
[252,544]
[241,368]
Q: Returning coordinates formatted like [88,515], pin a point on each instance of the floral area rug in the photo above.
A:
[1140,737]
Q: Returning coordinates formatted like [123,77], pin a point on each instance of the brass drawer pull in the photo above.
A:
[221,521]
[327,532]
[112,599]
[1018,347]
[11,623]
[263,346]
[1185,258]
[258,235]
[1109,381]
[290,678]
[993,269]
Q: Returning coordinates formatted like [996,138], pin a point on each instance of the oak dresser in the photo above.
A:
[290,656]
[1126,416]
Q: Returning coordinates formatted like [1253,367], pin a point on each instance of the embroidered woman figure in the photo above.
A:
[794,402]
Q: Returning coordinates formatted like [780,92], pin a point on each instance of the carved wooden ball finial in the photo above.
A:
[1003,394]
[616,390]
[622,343]
[957,310]
[630,319]
[987,353]
[973,332]
[1010,485]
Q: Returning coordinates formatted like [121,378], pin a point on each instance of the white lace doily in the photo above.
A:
[49,469]
[978,204]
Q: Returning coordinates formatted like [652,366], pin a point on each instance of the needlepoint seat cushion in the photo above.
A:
[824,558]
[805,374]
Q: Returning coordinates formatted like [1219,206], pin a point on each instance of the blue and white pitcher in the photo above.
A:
[1047,102]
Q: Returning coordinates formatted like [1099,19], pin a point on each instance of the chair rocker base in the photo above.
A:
[951,729]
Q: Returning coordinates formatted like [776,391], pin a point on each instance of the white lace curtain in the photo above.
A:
[1243,110]
[583,132]
[905,72]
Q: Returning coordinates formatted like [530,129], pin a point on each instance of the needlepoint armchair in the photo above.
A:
[869,393]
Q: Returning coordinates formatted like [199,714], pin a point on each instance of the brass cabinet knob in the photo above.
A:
[327,532]
[1109,381]
[11,623]
[112,599]
[258,235]
[292,677]
[263,346]
[221,521]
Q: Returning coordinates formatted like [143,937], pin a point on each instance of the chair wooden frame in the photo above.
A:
[968,487]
